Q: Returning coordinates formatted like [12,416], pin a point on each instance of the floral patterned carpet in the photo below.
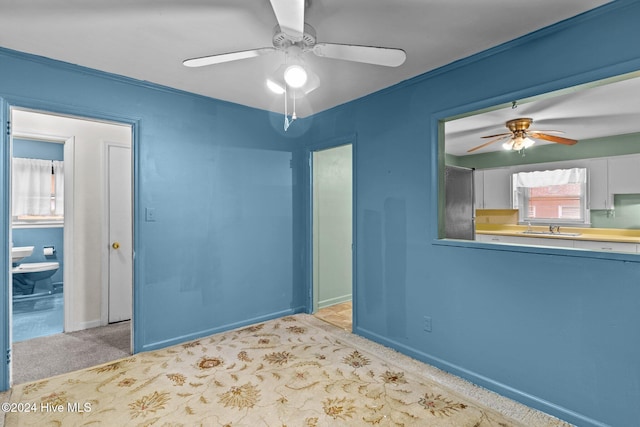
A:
[293,371]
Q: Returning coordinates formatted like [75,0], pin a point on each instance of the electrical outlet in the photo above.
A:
[427,323]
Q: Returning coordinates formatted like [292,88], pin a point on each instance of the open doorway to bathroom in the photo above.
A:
[37,234]
[332,218]
[61,298]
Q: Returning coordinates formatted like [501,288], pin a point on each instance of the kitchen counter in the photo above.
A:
[571,233]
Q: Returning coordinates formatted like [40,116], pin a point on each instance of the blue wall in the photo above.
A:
[37,149]
[220,253]
[40,237]
[556,330]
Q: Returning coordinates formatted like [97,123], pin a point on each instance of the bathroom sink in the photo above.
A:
[20,252]
[549,233]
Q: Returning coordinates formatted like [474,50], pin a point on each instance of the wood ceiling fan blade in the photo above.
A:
[498,134]
[546,131]
[486,144]
[388,57]
[290,16]
[553,138]
[226,57]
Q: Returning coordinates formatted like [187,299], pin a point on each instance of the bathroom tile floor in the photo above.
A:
[38,318]
[339,315]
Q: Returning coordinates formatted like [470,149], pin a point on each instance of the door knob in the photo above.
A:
[115,245]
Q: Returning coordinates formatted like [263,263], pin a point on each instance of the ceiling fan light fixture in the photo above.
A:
[295,76]
[275,87]
[277,84]
[518,142]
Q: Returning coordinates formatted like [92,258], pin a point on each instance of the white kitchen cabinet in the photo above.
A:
[607,176]
[497,188]
[606,246]
[599,195]
[478,188]
[561,243]
[541,241]
[492,238]
[530,241]
[624,174]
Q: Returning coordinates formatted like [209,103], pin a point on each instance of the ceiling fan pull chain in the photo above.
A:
[293,115]
[288,122]
[286,119]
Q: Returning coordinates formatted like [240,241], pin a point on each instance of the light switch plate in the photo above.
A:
[150,214]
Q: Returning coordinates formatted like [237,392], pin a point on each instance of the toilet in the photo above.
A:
[26,275]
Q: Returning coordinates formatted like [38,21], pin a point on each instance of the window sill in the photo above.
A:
[37,224]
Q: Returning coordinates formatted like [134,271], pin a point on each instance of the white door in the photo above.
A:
[120,271]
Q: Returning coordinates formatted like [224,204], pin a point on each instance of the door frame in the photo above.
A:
[311,285]
[7,103]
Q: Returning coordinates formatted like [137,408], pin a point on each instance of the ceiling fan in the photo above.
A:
[521,137]
[293,36]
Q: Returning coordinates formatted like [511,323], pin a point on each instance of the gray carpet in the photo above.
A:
[44,357]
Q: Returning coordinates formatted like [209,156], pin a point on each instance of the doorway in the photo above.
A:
[332,218]
[91,193]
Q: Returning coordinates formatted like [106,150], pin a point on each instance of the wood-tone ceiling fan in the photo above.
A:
[521,137]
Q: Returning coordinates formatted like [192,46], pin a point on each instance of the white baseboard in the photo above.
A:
[84,325]
[333,301]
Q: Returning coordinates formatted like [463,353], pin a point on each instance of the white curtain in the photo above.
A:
[552,177]
[31,187]
[58,171]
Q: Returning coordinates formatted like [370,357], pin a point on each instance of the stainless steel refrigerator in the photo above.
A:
[459,203]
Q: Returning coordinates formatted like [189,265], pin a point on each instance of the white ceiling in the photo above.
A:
[592,111]
[149,39]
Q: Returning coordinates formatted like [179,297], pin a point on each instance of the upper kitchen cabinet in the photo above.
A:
[612,175]
[599,195]
[497,188]
[478,189]
[624,174]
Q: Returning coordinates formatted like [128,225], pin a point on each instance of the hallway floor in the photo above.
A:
[339,315]
[56,354]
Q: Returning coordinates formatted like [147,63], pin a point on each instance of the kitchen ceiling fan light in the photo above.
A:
[295,76]
[507,145]
[517,143]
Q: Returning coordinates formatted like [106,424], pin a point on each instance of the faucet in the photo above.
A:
[554,228]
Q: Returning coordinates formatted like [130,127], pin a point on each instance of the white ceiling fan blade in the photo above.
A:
[290,16]
[389,57]
[226,57]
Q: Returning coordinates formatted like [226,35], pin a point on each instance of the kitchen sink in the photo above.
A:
[549,233]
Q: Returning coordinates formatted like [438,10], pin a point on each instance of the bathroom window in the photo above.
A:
[37,192]
[551,197]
